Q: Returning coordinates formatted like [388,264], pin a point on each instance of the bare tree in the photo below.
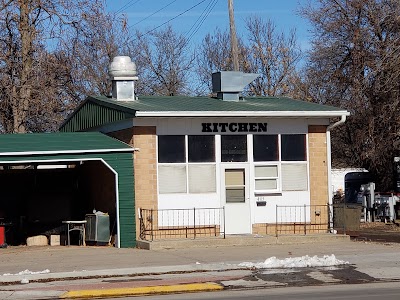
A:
[355,64]
[41,42]
[102,36]
[213,55]
[274,56]
[264,51]
[164,60]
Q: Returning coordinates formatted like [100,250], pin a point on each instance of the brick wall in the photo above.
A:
[318,165]
[290,228]
[145,166]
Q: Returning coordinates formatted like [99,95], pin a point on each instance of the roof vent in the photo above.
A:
[123,75]
[229,84]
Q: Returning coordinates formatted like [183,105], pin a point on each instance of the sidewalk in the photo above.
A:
[75,269]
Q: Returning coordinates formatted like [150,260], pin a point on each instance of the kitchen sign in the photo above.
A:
[234,127]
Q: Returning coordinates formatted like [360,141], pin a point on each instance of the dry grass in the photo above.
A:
[381,226]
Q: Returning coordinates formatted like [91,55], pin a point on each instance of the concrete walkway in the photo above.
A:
[73,270]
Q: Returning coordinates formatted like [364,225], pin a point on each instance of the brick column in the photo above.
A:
[318,163]
[317,148]
[145,166]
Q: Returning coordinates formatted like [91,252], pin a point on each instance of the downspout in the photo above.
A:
[341,121]
[329,158]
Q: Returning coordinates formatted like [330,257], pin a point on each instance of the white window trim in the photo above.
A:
[278,178]
[186,164]
[279,163]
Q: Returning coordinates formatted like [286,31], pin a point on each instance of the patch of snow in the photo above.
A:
[296,262]
[27,272]
[24,281]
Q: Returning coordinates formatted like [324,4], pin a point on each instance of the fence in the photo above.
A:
[156,224]
[305,219]
[210,222]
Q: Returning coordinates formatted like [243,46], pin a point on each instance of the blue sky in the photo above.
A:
[281,12]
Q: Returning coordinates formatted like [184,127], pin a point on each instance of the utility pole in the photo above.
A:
[234,43]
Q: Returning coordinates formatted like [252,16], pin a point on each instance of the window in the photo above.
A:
[172,179]
[293,147]
[266,178]
[233,148]
[201,148]
[194,173]
[171,149]
[235,186]
[202,178]
[265,147]
[284,171]
[294,177]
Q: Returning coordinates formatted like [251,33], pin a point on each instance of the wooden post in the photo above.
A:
[234,43]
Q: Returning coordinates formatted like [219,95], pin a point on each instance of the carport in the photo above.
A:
[47,178]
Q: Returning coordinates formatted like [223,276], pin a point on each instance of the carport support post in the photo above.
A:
[305,219]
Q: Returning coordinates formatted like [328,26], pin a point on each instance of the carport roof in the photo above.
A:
[59,143]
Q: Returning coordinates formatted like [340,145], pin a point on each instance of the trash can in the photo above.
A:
[346,218]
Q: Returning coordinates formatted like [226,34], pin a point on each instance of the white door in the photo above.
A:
[235,198]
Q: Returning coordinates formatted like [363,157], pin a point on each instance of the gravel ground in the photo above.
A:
[379,232]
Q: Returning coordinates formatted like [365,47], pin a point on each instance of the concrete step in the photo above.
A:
[239,240]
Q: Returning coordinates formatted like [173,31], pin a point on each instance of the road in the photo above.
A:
[80,269]
[371,291]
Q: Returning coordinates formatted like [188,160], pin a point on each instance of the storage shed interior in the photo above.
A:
[36,198]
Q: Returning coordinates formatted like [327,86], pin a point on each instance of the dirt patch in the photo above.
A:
[380,226]
[379,232]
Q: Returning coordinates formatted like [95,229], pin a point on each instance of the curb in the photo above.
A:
[16,279]
[147,290]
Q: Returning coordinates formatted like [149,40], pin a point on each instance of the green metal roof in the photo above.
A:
[101,110]
[59,143]
[204,104]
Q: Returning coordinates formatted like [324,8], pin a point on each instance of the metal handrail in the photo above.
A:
[156,224]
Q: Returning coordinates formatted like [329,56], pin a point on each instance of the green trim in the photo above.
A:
[93,113]
[56,143]
[120,160]
[122,164]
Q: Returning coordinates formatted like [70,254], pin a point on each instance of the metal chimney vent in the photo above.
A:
[123,75]
[229,84]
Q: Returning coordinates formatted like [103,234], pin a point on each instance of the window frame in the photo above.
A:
[188,149]
[187,165]
[304,151]
[241,187]
[185,154]
[278,177]
[246,156]
[279,164]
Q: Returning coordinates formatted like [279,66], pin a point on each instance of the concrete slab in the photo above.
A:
[239,240]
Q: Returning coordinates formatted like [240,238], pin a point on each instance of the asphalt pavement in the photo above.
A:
[76,272]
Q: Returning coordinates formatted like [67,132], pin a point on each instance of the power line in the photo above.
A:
[206,12]
[129,4]
[177,16]
[152,14]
